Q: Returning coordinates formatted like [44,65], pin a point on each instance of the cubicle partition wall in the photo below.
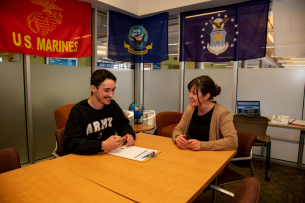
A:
[52,87]
[124,92]
[280,91]
[12,107]
[161,90]
[222,77]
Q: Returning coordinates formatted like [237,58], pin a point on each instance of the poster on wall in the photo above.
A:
[46,28]
[62,61]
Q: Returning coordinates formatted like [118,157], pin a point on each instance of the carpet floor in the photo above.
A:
[287,184]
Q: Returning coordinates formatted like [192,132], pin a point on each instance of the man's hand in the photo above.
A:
[181,141]
[129,139]
[112,143]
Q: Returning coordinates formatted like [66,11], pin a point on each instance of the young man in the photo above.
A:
[92,123]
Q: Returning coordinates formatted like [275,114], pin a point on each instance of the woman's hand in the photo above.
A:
[181,141]
[194,144]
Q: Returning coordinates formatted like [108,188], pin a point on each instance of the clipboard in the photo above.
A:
[135,153]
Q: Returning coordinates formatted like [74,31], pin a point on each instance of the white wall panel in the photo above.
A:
[280,91]
[287,151]
[161,90]
[124,92]
[52,87]
[222,77]
[12,107]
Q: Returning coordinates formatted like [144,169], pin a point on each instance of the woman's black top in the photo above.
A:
[199,128]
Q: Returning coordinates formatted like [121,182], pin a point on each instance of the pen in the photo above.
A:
[292,121]
[117,137]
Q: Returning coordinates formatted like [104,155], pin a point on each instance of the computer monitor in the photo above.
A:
[251,108]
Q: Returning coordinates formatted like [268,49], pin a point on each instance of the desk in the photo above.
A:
[176,175]
[44,182]
[142,127]
[289,126]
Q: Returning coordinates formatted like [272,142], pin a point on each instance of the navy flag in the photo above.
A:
[229,33]
[137,40]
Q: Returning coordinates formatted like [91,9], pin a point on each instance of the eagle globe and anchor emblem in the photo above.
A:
[47,20]
[218,43]
[138,37]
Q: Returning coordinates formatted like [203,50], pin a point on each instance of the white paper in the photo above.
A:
[280,119]
[132,152]
[299,122]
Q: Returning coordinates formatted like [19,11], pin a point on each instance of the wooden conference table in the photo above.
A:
[142,128]
[175,175]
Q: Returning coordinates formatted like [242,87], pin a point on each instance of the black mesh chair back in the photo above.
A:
[252,124]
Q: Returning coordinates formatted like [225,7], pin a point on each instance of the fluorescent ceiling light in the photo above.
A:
[205,14]
[270,37]
[293,65]
[220,64]
[229,66]
[173,44]
[285,61]
[172,54]
[4,54]
[101,47]
[103,53]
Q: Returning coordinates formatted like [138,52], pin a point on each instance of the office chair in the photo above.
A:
[166,122]
[59,148]
[257,125]
[61,116]
[9,160]
[247,192]
[243,155]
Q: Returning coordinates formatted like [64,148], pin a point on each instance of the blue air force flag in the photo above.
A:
[137,40]
[228,33]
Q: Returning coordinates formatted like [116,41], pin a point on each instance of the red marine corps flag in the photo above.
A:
[48,28]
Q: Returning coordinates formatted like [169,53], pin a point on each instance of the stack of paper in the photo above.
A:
[134,153]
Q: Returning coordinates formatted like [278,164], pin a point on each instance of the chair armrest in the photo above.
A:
[243,158]
[219,189]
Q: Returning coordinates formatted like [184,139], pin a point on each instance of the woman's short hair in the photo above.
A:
[100,76]
[206,85]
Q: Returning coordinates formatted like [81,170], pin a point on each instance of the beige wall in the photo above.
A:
[143,7]
[149,6]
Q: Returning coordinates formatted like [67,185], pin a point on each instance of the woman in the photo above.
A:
[205,125]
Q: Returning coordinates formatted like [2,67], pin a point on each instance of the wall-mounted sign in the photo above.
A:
[157,65]
[105,63]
